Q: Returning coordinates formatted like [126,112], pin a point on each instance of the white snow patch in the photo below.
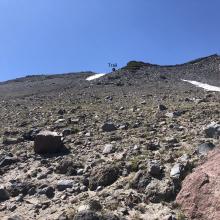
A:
[205,86]
[96,76]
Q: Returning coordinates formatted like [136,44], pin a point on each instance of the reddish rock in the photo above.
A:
[199,197]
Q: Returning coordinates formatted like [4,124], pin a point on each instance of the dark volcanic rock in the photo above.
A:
[108,127]
[47,142]
[4,195]
[5,161]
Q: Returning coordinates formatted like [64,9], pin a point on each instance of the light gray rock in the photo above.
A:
[64,184]
[108,148]
[205,148]
[176,171]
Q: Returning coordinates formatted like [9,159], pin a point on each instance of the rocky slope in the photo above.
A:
[122,144]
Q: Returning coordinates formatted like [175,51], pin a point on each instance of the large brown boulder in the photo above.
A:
[47,142]
[199,197]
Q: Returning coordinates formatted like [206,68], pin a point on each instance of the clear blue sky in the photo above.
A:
[57,36]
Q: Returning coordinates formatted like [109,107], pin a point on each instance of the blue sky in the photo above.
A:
[57,36]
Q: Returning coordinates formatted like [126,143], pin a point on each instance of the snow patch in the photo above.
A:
[96,76]
[205,86]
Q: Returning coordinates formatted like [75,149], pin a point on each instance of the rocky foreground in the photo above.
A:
[119,147]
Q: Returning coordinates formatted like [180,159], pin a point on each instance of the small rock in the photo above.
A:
[162,107]
[174,114]
[205,148]
[15,217]
[108,127]
[10,140]
[104,176]
[7,161]
[94,205]
[154,169]
[140,181]
[61,112]
[212,130]
[80,171]
[108,148]
[66,132]
[4,195]
[86,215]
[176,171]
[48,191]
[61,120]
[67,167]
[64,184]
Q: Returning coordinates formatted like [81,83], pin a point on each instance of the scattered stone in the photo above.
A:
[64,184]
[6,161]
[108,148]
[174,114]
[17,188]
[30,135]
[10,140]
[4,195]
[66,132]
[140,180]
[155,169]
[176,171]
[47,142]
[162,107]
[108,127]
[86,215]
[104,176]
[15,217]
[212,130]
[61,112]
[48,191]
[94,205]
[68,167]
[205,148]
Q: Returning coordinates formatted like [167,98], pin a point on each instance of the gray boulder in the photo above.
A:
[205,148]
[212,130]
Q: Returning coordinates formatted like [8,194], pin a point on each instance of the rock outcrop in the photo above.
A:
[199,197]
